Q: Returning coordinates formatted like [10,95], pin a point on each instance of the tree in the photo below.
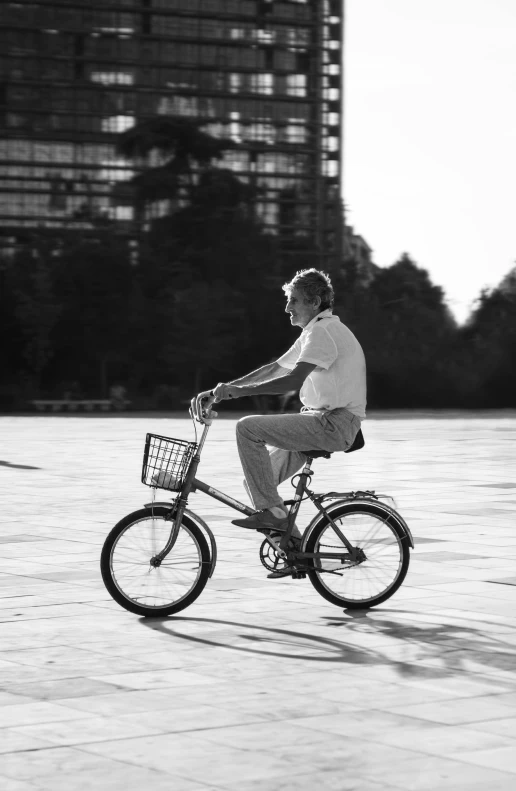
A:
[203,332]
[206,261]
[490,336]
[210,258]
[35,311]
[182,151]
[405,328]
[94,335]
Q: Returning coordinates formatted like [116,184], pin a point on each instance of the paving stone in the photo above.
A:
[259,685]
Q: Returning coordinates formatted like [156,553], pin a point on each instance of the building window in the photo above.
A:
[112,77]
[235,83]
[297,37]
[296,131]
[262,83]
[117,123]
[235,128]
[266,163]
[235,160]
[296,84]
[263,132]
[121,212]
[115,170]
[264,36]
[330,168]
[178,105]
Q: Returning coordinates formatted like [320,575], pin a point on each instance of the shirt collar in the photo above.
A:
[322,315]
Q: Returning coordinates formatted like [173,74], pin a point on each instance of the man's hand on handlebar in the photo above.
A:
[223,392]
[201,404]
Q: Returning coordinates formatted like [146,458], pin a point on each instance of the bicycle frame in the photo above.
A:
[193,484]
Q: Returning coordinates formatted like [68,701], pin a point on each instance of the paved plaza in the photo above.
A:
[260,685]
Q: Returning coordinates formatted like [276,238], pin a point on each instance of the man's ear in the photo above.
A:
[317,302]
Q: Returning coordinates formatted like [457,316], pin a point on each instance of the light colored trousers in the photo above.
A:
[286,436]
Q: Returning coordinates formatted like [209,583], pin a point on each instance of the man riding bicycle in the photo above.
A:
[327,365]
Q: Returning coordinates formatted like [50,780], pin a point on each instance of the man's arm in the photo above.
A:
[263,374]
[282,383]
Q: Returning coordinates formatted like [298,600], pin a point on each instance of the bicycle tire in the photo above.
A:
[189,560]
[347,591]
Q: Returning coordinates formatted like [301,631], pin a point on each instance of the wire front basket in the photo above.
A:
[166,462]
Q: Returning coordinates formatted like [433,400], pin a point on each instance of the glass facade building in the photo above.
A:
[267,74]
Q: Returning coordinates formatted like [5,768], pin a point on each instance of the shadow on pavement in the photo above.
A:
[456,647]
[18,466]
[429,651]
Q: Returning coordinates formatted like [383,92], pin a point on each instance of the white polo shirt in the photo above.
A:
[339,380]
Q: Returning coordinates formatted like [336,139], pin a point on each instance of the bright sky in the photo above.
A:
[430,137]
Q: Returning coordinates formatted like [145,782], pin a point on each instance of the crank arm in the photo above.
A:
[280,552]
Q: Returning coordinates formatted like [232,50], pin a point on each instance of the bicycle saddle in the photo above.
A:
[358,443]
[316,454]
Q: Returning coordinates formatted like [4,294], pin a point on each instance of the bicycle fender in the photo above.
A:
[203,525]
[200,523]
[402,522]
[338,503]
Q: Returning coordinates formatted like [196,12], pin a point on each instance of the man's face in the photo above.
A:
[301,312]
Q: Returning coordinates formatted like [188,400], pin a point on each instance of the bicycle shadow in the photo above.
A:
[438,650]
[452,646]
[18,466]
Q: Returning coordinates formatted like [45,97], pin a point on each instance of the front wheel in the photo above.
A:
[139,586]
[383,563]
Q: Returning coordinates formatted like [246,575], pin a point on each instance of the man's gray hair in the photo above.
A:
[312,283]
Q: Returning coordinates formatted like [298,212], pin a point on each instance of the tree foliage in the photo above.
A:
[205,304]
[490,336]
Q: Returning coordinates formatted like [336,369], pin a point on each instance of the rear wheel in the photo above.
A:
[385,556]
[138,585]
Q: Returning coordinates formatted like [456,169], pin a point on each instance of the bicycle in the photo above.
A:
[157,560]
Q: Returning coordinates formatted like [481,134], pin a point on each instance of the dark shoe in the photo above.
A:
[277,575]
[261,520]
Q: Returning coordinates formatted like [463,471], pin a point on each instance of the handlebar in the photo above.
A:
[199,413]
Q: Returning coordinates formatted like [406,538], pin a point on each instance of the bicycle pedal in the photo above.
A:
[298,575]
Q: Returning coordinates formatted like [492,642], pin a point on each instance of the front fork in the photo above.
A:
[178,511]
[178,518]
